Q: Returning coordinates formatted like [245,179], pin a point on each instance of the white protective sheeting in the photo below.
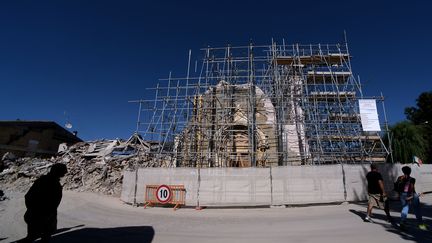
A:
[355,182]
[128,186]
[389,172]
[235,187]
[307,184]
[270,186]
[423,175]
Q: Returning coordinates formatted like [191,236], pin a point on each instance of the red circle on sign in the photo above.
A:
[163,194]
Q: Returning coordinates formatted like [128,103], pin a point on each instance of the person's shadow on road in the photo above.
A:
[131,234]
[412,233]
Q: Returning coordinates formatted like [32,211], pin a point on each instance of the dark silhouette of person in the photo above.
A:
[42,201]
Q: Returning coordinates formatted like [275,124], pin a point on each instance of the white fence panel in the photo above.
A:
[307,184]
[235,186]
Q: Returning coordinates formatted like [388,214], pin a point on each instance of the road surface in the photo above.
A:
[88,217]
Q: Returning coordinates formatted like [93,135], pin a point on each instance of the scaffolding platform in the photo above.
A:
[326,59]
[328,76]
[332,95]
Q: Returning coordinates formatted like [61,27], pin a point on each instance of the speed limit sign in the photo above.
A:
[163,194]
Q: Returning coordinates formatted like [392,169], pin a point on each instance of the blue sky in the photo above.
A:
[89,58]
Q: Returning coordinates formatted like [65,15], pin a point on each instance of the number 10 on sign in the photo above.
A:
[163,194]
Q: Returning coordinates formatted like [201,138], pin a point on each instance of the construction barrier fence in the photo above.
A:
[177,195]
[283,185]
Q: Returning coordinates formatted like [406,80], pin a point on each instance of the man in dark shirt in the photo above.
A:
[42,201]
[376,193]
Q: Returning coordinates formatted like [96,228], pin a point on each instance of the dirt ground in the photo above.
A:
[88,217]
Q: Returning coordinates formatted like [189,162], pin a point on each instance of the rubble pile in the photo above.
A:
[92,166]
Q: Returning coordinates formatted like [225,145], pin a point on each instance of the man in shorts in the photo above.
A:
[377,194]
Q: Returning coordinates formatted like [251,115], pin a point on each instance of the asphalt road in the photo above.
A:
[87,217]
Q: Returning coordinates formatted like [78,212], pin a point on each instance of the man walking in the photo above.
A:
[42,201]
[376,193]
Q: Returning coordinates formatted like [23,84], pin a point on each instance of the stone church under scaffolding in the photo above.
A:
[261,106]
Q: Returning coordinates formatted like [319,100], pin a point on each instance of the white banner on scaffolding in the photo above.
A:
[369,115]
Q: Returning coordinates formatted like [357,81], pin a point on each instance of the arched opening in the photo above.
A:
[234,148]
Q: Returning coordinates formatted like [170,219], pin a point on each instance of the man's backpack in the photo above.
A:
[399,185]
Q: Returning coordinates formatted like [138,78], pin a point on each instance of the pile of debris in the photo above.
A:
[94,166]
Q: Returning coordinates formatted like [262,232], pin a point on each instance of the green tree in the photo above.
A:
[421,116]
[407,141]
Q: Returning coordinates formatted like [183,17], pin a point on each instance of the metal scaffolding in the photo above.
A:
[260,106]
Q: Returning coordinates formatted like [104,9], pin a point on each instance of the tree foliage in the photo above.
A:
[422,114]
[407,141]
[414,137]
[422,117]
